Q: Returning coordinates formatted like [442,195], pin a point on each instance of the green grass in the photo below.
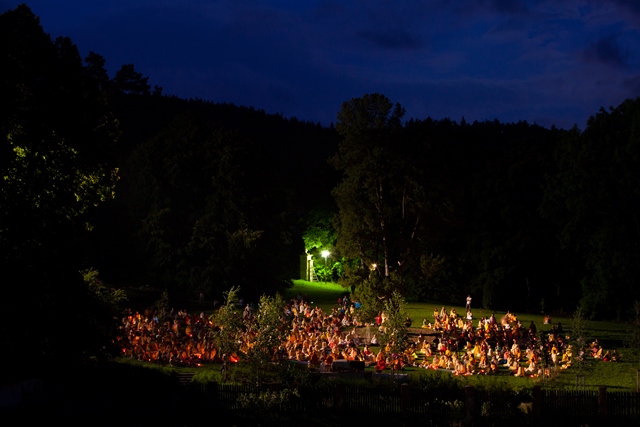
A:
[615,376]
[322,294]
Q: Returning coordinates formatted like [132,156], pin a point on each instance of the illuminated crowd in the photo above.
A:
[448,341]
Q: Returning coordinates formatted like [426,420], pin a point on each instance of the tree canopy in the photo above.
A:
[105,174]
[57,134]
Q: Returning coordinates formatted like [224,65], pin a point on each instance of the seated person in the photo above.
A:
[477,350]
[381,365]
[367,353]
[353,354]
[614,356]
[426,348]
[425,363]
[397,363]
[598,353]
[381,361]
[448,362]
[328,360]
[482,363]
[459,369]
[532,367]
[374,340]
[520,372]
[407,322]
[470,366]
[409,357]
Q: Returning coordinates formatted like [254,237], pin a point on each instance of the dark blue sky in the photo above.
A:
[543,61]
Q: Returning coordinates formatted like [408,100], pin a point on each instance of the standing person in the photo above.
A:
[223,368]
[468,306]
[379,319]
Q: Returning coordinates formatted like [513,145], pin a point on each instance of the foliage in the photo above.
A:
[438,380]
[268,401]
[130,82]
[578,341]
[594,198]
[376,204]
[395,333]
[57,135]
[162,306]
[269,327]
[229,320]
[511,213]
[324,272]
[370,294]
[318,230]
[202,210]
[111,297]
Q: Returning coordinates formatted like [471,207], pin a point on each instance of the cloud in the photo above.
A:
[607,51]
[632,6]
[393,39]
[545,61]
[632,84]
[509,6]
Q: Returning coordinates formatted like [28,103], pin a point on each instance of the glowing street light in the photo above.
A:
[325,254]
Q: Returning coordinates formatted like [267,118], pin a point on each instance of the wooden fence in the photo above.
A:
[187,404]
[340,401]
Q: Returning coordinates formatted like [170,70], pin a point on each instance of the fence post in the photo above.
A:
[212,392]
[470,401]
[537,402]
[603,405]
[405,398]
[339,398]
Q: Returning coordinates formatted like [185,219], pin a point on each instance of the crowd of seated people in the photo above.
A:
[467,349]
[319,339]
[181,339]
[178,339]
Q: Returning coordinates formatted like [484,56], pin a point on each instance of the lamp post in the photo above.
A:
[325,254]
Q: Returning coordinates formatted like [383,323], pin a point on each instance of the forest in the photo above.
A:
[106,173]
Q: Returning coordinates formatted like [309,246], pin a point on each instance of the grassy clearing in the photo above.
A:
[611,335]
[322,294]
[615,376]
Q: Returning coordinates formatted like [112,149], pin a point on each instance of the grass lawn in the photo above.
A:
[615,376]
[322,294]
[611,335]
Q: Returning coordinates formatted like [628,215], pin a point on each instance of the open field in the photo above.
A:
[622,376]
[611,335]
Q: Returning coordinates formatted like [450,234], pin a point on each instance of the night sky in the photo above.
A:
[550,62]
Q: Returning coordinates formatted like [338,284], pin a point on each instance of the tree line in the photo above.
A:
[517,215]
[108,173]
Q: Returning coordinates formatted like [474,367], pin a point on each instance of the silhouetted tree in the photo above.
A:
[56,137]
